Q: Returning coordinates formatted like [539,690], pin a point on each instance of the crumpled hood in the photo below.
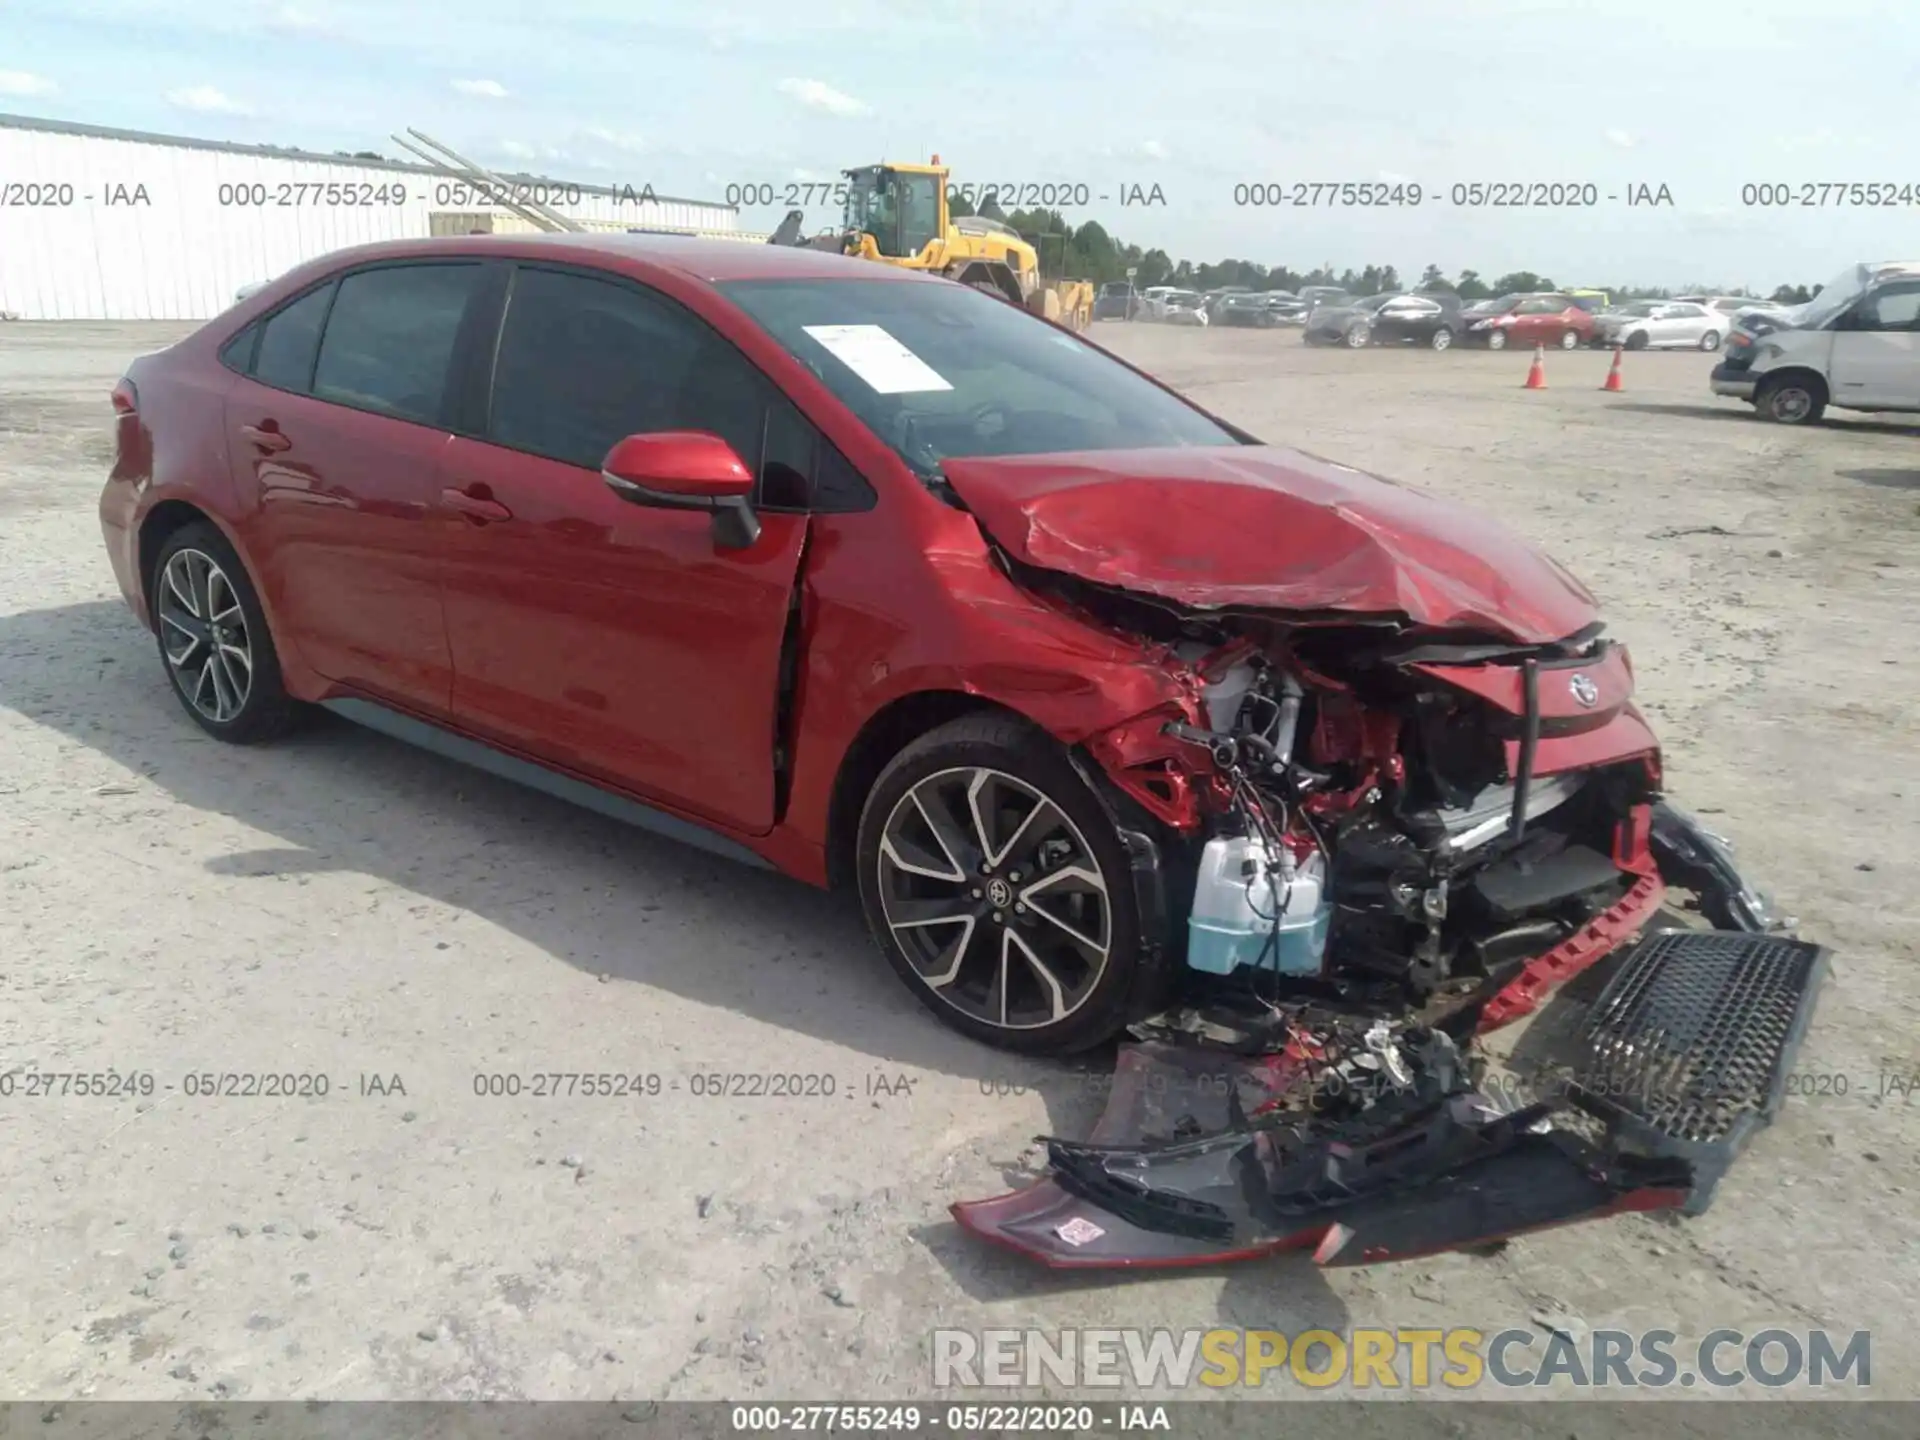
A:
[1272,529]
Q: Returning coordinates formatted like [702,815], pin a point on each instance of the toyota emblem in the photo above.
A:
[1584,690]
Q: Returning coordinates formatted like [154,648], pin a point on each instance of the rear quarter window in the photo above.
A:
[390,339]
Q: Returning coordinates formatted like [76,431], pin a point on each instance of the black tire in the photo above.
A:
[1359,336]
[1496,340]
[937,774]
[204,680]
[1791,399]
[1441,339]
[1638,340]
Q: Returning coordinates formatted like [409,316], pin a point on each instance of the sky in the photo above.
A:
[1702,97]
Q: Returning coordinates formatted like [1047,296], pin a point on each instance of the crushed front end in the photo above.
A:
[1393,840]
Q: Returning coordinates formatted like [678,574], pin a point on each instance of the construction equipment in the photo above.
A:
[897,214]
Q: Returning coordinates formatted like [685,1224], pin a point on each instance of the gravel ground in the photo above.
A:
[340,905]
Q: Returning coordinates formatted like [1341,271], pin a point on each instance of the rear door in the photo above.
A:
[1536,322]
[335,436]
[614,640]
[1876,350]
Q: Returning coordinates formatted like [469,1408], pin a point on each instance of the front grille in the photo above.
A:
[1694,1035]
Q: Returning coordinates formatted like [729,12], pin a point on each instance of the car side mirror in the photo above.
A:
[687,470]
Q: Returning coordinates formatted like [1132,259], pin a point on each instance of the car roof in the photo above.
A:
[696,257]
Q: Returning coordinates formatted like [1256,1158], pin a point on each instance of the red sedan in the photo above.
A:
[1527,320]
[887,584]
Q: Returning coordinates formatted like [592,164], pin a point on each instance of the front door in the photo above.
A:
[1876,350]
[617,641]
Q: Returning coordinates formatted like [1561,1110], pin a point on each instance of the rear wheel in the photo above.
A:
[998,890]
[1710,340]
[1569,340]
[213,639]
[1442,339]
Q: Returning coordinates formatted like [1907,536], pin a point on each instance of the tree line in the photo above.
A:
[1088,252]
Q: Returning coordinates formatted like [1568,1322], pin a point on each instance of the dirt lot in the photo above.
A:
[342,905]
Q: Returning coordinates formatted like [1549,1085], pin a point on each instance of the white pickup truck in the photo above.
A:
[1855,345]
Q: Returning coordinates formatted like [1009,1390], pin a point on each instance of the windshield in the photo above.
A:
[946,370]
[1116,287]
[1835,296]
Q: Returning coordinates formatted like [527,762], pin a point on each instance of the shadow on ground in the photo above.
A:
[581,887]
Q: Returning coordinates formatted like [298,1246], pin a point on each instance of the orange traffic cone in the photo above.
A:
[1613,375]
[1537,376]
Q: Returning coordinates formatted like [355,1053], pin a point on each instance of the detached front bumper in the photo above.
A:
[1207,1154]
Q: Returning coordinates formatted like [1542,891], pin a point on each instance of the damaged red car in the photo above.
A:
[1115,718]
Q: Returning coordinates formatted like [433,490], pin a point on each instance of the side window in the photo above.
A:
[237,353]
[1897,307]
[1538,307]
[288,341]
[585,362]
[390,338]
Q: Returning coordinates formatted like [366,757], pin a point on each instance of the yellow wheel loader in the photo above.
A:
[897,214]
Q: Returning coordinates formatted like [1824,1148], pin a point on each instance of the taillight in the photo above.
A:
[126,399]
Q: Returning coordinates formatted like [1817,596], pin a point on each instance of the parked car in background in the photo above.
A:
[1855,345]
[1152,300]
[1117,300]
[1545,319]
[1244,309]
[1218,297]
[1662,325]
[1313,296]
[1184,307]
[1591,301]
[1282,307]
[1391,319]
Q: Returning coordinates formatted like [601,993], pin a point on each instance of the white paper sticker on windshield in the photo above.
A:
[877,358]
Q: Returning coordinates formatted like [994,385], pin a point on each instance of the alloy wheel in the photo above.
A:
[1569,339]
[204,635]
[1358,336]
[994,897]
[1442,338]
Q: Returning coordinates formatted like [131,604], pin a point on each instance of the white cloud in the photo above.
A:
[482,89]
[206,100]
[1153,150]
[1622,139]
[617,140]
[818,95]
[518,149]
[292,20]
[22,82]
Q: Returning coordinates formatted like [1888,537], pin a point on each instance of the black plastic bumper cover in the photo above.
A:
[1681,1060]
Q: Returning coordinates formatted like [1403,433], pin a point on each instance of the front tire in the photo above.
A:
[213,639]
[1791,401]
[1359,336]
[995,884]
[1496,340]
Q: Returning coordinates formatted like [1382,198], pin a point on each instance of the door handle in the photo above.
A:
[474,507]
[267,436]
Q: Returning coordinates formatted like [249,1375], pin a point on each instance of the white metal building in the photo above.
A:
[100,224]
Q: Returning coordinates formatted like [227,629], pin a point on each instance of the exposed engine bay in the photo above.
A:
[1381,841]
